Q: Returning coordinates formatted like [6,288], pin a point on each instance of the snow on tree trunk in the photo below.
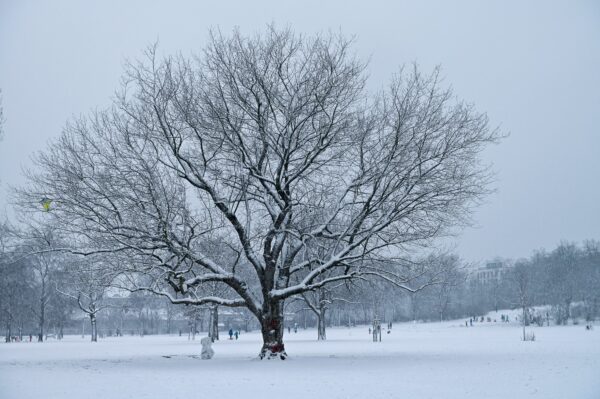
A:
[94,328]
[321,326]
[272,332]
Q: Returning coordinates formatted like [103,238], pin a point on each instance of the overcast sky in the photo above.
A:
[534,67]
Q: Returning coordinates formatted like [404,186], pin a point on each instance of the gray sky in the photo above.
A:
[534,66]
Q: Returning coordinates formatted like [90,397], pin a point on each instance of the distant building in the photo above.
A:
[490,273]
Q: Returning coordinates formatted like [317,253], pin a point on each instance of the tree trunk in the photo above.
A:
[413,305]
[213,326]
[42,321]
[567,311]
[8,332]
[271,326]
[201,321]
[94,328]
[321,335]
[304,315]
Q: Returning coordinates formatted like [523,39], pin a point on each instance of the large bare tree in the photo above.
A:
[265,165]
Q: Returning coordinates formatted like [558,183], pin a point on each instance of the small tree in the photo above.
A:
[319,301]
[563,267]
[193,314]
[171,311]
[447,275]
[61,308]
[521,277]
[87,283]
[44,263]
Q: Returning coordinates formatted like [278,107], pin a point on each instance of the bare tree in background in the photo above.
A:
[87,282]
[563,266]
[521,276]
[264,165]
[44,262]
[194,315]
[319,302]
[448,275]
[590,279]
[171,312]
[16,289]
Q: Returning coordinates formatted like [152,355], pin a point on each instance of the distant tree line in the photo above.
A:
[555,287]
[566,280]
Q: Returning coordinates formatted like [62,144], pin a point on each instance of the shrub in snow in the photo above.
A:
[207,350]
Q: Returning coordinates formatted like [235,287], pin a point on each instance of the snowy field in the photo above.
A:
[414,361]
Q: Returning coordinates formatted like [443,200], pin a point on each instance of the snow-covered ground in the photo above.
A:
[434,360]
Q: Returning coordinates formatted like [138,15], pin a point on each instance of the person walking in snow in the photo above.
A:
[237,333]
[230,333]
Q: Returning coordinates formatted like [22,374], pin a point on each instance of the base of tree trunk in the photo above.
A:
[321,334]
[272,333]
[273,351]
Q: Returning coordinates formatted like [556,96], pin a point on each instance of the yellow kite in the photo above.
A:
[46,204]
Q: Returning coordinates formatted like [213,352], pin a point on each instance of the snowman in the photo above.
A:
[207,350]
